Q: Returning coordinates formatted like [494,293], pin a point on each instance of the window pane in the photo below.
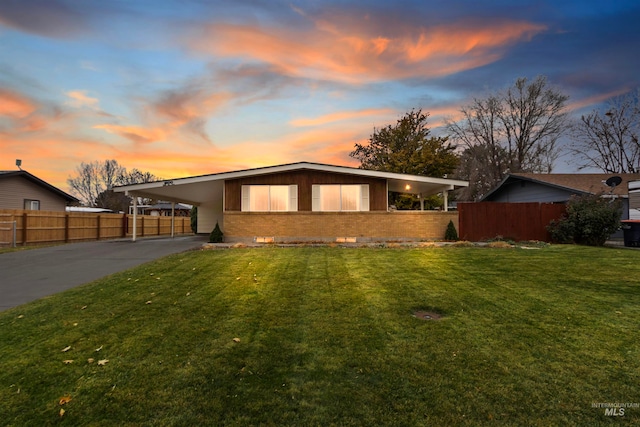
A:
[279,197]
[330,198]
[259,198]
[350,197]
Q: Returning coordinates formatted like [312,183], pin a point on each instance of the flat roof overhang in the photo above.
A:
[197,190]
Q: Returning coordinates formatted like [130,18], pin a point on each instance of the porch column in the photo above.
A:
[173,217]
[445,196]
[135,218]
[421,201]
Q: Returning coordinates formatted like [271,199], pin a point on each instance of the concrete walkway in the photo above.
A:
[35,273]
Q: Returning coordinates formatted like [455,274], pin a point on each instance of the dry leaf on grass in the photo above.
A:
[90,360]
[67,348]
[236,340]
[148,302]
[99,348]
[68,361]
[64,399]
[62,411]
[103,362]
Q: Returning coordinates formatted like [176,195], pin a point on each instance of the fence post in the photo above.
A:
[159,224]
[14,233]
[98,227]
[125,225]
[141,225]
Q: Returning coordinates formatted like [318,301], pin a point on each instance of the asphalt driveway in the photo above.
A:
[32,274]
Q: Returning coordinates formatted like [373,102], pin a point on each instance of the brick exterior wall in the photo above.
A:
[328,226]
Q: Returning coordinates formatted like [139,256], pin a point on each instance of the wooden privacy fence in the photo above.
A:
[33,227]
[515,221]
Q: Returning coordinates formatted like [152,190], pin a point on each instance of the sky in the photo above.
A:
[190,87]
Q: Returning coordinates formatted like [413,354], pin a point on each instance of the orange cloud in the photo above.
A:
[339,116]
[353,55]
[15,105]
[137,134]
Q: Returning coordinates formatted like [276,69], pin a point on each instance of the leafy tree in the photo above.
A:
[94,178]
[609,141]
[590,220]
[117,202]
[407,147]
[517,130]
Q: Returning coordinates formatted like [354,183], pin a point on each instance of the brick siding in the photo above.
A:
[329,226]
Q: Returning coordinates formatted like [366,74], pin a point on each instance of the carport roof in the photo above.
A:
[196,190]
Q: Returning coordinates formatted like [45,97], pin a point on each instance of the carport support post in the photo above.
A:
[173,217]
[135,217]
[445,196]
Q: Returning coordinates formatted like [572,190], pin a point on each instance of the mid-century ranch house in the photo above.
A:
[306,202]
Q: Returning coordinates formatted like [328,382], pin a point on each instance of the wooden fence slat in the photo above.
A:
[61,227]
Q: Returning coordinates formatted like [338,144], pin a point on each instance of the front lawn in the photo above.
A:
[327,336]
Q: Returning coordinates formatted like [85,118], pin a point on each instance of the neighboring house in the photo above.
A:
[163,209]
[558,188]
[306,202]
[634,199]
[21,190]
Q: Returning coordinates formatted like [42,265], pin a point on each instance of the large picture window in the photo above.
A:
[269,198]
[340,198]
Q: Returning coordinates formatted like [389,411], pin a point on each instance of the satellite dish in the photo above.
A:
[614,181]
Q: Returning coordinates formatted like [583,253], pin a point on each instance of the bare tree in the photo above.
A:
[95,178]
[518,130]
[609,141]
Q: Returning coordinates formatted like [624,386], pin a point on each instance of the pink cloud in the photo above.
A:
[355,55]
[15,105]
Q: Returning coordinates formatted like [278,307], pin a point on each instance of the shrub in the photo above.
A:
[194,219]
[216,235]
[451,234]
[590,220]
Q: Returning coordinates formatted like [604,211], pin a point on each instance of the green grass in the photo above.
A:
[327,337]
